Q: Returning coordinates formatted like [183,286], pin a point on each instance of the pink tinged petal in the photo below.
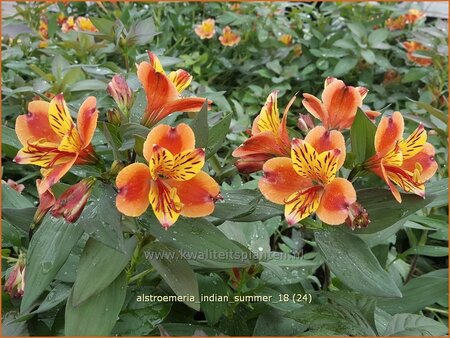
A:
[87,120]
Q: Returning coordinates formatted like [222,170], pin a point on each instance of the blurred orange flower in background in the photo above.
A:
[412,47]
[84,24]
[228,38]
[206,29]
[286,39]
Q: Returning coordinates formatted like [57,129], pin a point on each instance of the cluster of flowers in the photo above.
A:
[302,174]
[207,29]
[172,182]
[67,24]
[399,23]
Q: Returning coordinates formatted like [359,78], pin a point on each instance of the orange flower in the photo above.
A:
[173,183]
[412,47]
[286,39]
[163,91]
[407,163]
[61,19]
[68,25]
[206,29]
[269,137]
[84,24]
[397,23]
[228,38]
[43,28]
[338,106]
[298,50]
[414,15]
[307,183]
[51,139]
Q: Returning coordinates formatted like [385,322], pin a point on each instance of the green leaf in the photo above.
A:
[357,29]
[10,139]
[99,266]
[377,36]
[200,243]
[275,66]
[418,293]
[406,324]
[354,264]
[19,218]
[57,295]
[245,205]
[433,111]
[362,136]
[274,323]
[105,26]
[369,56]
[88,85]
[49,249]
[252,235]
[213,286]
[101,220]
[141,32]
[414,74]
[97,315]
[384,211]
[217,135]
[200,127]
[12,199]
[426,250]
[175,271]
[344,66]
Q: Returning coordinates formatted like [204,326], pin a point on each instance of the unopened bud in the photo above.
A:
[357,217]
[15,283]
[71,203]
[113,117]
[116,166]
[305,123]
[121,93]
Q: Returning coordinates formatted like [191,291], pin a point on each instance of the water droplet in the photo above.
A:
[46,266]
[260,248]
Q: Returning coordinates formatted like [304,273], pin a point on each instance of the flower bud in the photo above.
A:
[251,163]
[15,283]
[113,117]
[121,93]
[357,217]
[305,123]
[46,201]
[14,185]
[116,166]
[71,203]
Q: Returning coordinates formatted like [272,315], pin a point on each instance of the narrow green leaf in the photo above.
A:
[345,65]
[414,74]
[354,264]
[200,127]
[213,286]
[13,199]
[49,249]
[377,36]
[362,136]
[427,250]
[97,315]
[433,111]
[217,135]
[406,324]
[175,271]
[99,266]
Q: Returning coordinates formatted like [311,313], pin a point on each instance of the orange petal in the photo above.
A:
[303,157]
[197,194]
[154,61]
[324,140]
[382,172]
[426,160]
[87,120]
[187,105]
[187,164]
[165,202]
[53,174]
[280,180]
[262,143]
[362,92]
[175,139]
[269,117]
[389,131]
[315,107]
[338,196]
[283,135]
[181,79]
[59,116]
[133,183]
[301,204]
[251,163]
[41,153]
[408,181]
[35,124]
[159,90]
[341,103]
[414,143]
[161,161]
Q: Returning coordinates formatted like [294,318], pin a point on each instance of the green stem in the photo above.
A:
[355,172]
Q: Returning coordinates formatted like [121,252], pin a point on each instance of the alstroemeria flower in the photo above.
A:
[414,15]
[338,106]
[15,283]
[412,47]
[68,24]
[206,29]
[46,201]
[228,38]
[407,163]
[84,24]
[269,137]
[172,183]
[51,139]
[286,39]
[163,91]
[307,183]
[397,23]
